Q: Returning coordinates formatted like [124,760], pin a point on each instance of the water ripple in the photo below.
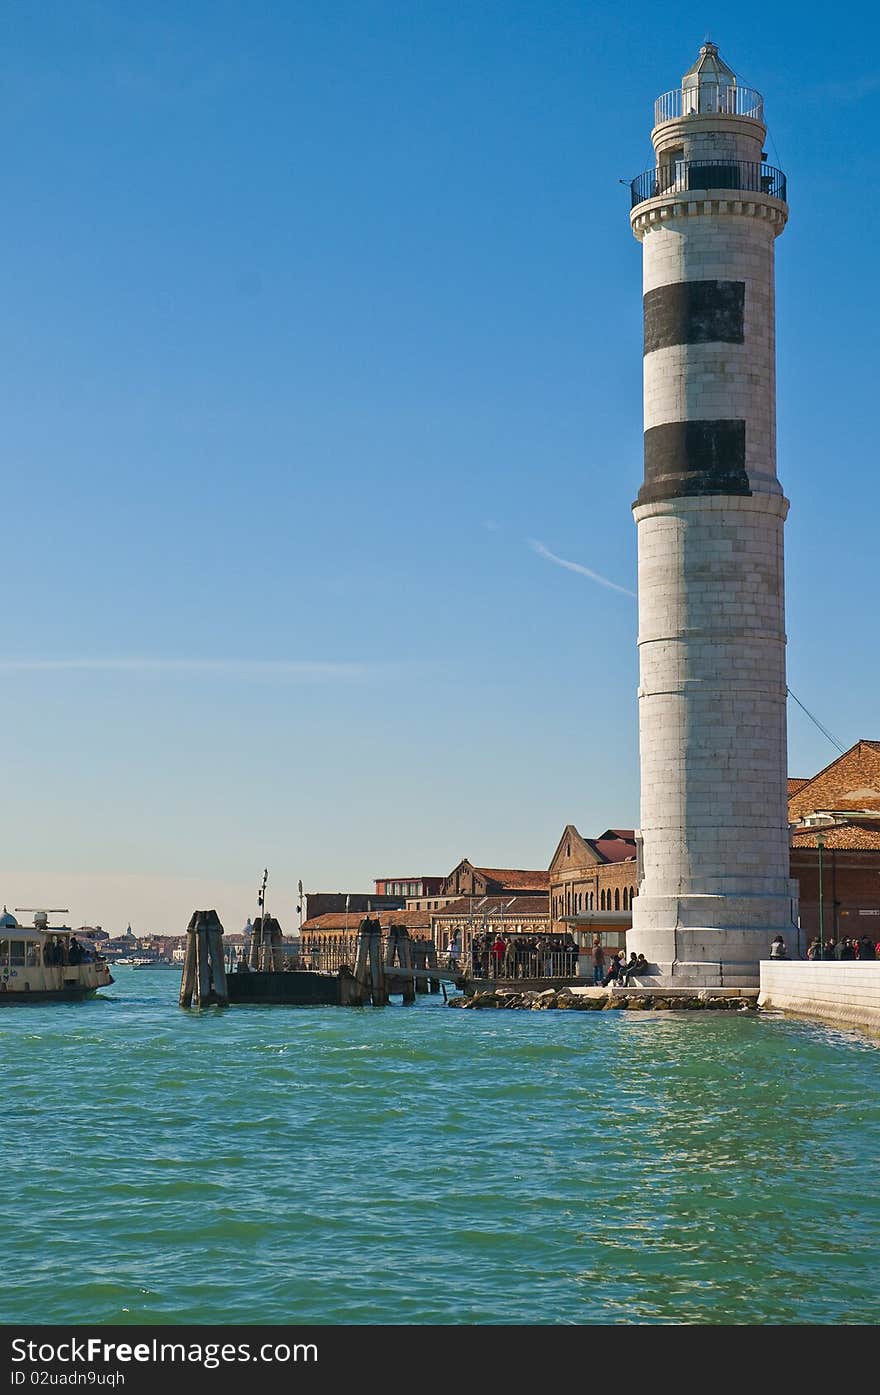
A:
[426,1166]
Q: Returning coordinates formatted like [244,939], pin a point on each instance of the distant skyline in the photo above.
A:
[322,406]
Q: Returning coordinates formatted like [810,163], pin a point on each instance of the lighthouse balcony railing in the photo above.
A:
[709,98]
[686,176]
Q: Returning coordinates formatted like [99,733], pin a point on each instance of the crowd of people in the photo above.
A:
[520,956]
[58,951]
[861,948]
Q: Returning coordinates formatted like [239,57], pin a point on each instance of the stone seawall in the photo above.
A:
[843,994]
[599,999]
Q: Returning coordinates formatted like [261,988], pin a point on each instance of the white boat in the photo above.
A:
[46,963]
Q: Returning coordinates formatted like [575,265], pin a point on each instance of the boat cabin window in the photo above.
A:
[4,953]
[32,954]
[16,952]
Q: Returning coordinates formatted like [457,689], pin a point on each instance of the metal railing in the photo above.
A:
[684,176]
[518,963]
[709,98]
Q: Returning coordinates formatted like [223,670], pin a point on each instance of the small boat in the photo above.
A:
[155,964]
[46,963]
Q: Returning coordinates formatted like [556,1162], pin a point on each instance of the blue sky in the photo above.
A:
[321,340]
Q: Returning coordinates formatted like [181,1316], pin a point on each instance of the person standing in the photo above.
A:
[598,958]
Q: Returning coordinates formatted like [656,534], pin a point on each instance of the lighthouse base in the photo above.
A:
[710,941]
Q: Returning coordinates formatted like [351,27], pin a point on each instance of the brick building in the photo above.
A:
[499,915]
[409,887]
[592,874]
[850,783]
[468,880]
[840,809]
[331,939]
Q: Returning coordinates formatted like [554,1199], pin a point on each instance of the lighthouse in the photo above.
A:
[714,885]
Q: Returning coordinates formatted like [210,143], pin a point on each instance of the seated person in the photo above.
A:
[638,964]
[613,974]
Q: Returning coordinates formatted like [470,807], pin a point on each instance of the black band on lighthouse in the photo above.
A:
[694,457]
[694,312]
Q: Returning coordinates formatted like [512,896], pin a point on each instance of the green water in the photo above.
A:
[422,1165]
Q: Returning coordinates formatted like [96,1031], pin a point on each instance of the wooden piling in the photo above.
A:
[188,978]
[420,961]
[431,957]
[362,963]
[218,968]
[204,973]
[378,986]
[256,943]
[399,963]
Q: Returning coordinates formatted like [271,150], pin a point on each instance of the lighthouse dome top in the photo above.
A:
[710,69]
[709,87]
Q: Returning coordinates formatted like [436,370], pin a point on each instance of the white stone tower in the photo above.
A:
[714,877]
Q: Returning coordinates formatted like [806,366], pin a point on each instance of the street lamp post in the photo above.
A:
[819,844]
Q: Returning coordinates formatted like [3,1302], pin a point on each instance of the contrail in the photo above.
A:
[542,551]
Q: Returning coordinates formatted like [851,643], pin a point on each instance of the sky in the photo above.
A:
[321,396]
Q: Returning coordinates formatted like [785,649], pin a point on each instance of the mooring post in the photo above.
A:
[431,958]
[218,967]
[420,961]
[362,963]
[204,972]
[399,948]
[256,943]
[188,978]
[378,989]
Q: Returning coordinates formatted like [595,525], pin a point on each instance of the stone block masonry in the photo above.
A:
[845,994]
[714,876]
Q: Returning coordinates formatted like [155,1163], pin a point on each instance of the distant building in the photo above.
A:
[498,915]
[468,880]
[359,902]
[592,874]
[330,939]
[841,807]
[409,887]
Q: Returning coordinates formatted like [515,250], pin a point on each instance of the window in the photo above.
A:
[617,898]
[16,952]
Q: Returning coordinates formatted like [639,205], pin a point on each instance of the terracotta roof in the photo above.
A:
[517,907]
[336,920]
[840,835]
[614,849]
[873,745]
[795,783]
[516,878]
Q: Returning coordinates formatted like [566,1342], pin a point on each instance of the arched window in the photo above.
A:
[624,898]
[602,901]
[617,898]
[592,907]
